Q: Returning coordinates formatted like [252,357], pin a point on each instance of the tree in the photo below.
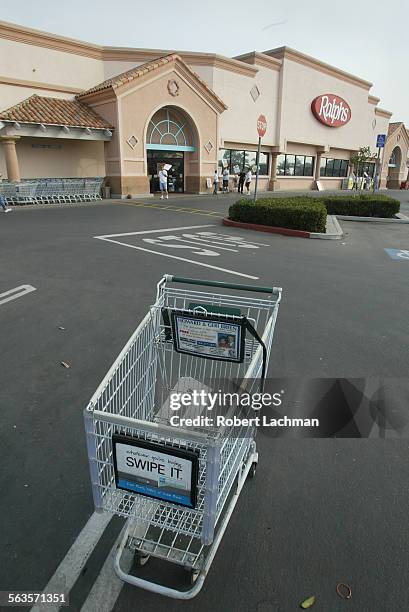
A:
[362,157]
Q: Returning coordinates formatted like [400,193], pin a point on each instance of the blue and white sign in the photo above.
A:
[398,254]
[380,141]
[156,470]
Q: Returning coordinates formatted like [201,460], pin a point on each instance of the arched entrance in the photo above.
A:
[394,165]
[171,138]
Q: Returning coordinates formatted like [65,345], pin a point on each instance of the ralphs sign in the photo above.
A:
[331,110]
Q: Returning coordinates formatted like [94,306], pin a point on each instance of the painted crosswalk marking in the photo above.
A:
[14,294]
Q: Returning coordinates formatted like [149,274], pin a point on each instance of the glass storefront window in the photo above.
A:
[299,165]
[330,167]
[309,166]
[224,158]
[263,162]
[295,165]
[238,160]
[333,167]
[289,165]
[369,168]
[281,164]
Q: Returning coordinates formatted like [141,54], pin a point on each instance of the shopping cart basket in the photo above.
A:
[178,511]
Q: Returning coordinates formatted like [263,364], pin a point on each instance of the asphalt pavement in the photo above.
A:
[318,512]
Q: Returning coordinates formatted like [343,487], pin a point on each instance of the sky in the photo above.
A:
[368,39]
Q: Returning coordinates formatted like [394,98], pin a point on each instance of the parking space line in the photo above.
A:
[107,587]
[192,211]
[17,292]
[196,263]
[156,231]
[74,561]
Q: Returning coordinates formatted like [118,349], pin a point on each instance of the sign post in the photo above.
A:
[261,129]
[380,144]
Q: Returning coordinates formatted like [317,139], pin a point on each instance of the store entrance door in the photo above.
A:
[176,175]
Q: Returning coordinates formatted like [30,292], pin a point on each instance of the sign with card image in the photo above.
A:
[210,337]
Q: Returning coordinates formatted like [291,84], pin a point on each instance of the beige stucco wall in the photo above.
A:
[35,63]
[392,177]
[136,104]
[239,121]
[71,158]
[301,84]
[13,94]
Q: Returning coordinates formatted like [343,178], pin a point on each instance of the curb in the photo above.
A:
[280,230]
[402,219]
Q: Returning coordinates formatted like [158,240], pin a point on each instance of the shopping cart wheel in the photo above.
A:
[252,470]
[141,559]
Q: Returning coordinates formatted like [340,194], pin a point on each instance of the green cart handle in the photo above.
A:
[205,283]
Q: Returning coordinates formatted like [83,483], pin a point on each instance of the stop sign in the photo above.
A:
[261,125]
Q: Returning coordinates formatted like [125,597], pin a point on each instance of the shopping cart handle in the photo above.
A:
[205,283]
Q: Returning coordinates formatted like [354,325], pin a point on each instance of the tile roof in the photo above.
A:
[54,111]
[138,71]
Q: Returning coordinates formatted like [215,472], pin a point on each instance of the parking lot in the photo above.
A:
[319,512]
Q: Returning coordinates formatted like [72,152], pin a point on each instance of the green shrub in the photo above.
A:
[361,205]
[300,213]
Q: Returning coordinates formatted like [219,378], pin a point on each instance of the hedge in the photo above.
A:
[362,205]
[300,213]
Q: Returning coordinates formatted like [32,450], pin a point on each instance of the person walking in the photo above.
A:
[163,183]
[376,182]
[242,175]
[248,179]
[226,178]
[367,181]
[215,183]
[3,204]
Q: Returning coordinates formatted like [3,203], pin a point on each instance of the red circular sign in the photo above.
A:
[331,110]
[261,125]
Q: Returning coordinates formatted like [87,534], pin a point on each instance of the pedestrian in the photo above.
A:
[242,175]
[247,179]
[367,182]
[226,178]
[3,204]
[215,183]
[376,182]
[163,183]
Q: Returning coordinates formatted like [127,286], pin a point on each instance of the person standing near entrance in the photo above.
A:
[215,183]
[226,177]
[163,183]
[242,175]
[248,179]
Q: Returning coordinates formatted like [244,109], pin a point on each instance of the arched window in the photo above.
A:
[169,130]
[395,158]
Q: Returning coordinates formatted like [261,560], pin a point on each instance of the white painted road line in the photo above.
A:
[196,263]
[74,561]
[107,587]
[15,293]
[159,231]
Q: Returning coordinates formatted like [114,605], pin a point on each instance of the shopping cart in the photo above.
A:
[128,422]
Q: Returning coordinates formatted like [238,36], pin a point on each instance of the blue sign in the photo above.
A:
[380,141]
[398,254]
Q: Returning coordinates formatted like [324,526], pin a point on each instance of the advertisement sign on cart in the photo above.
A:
[213,338]
[155,470]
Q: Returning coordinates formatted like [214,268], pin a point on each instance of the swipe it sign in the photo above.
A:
[331,110]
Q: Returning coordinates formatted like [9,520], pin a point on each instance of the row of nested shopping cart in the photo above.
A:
[52,191]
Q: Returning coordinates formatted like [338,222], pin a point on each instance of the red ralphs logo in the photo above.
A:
[331,110]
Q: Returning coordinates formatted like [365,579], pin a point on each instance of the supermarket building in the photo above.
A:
[75,109]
